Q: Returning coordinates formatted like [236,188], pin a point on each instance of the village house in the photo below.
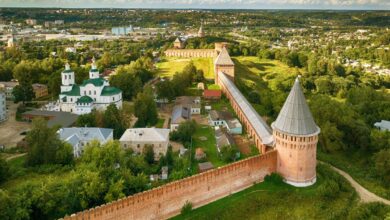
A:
[3,108]
[191,102]
[223,138]
[79,137]
[53,118]
[179,115]
[9,88]
[226,120]
[138,138]
[212,94]
[199,154]
[40,90]
[203,167]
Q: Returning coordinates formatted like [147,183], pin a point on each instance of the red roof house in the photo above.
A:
[212,94]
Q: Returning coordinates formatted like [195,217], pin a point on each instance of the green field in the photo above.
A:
[170,65]
[249,70]
[274,199]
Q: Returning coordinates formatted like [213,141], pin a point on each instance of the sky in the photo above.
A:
[206,4]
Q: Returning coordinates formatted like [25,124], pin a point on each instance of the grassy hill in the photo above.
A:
[331,197]
[170,65]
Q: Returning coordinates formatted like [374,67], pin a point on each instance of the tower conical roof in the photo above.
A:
[224,58]
[295,117]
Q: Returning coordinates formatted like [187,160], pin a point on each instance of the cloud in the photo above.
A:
[333,4]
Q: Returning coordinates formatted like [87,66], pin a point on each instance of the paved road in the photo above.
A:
[364,194]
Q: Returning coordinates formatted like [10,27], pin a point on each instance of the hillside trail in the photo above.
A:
[365,195]
[15,156]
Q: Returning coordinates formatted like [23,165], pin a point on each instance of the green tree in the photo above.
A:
[148,154]
[165,90]
[4,170]
[23,93]
[382,165]
[45,147]
[229,153]
[114,118]
[184,132]
[146,110]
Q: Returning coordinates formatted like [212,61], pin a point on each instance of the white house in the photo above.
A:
[138,138]
[80,137]
[94,93]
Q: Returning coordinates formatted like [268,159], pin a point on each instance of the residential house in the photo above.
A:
[79,137]
[191,102]
[53,118]
[199,154]
[226,120]
[3,106]
[179,115]
[223,138]
[40,90]
[212,94]
[138,138]
[9,88]
[203,167]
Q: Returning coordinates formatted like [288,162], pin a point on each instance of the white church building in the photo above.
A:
[93,93]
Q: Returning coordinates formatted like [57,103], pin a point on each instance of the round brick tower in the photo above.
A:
[296,136]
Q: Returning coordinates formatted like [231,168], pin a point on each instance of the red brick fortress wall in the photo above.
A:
[166,201]
[190,53]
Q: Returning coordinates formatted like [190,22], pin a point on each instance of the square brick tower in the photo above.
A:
[296,136]
[223,63]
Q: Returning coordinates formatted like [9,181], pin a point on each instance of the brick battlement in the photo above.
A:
[191,53]
[167,200]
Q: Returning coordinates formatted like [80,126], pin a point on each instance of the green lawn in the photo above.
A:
[273,199]
[209,146]
[170,65]
[160,123]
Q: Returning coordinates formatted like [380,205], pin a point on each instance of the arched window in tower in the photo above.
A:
[70,76]
[65,77]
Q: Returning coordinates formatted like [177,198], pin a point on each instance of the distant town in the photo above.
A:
[194,114]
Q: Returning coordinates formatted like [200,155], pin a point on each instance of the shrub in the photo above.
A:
[329,190]
[374,210]
[274,178]
[187,208]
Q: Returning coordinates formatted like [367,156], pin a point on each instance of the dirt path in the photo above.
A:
[15,156]
[364,194]
[10,129]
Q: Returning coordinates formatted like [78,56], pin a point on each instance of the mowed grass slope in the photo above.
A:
[259,73]
[168,66]
[331,197]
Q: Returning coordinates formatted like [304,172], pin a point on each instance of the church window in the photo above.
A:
[70,76]
[113,98]
[65,77]
[94,92]
[89,92]
[85,92]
